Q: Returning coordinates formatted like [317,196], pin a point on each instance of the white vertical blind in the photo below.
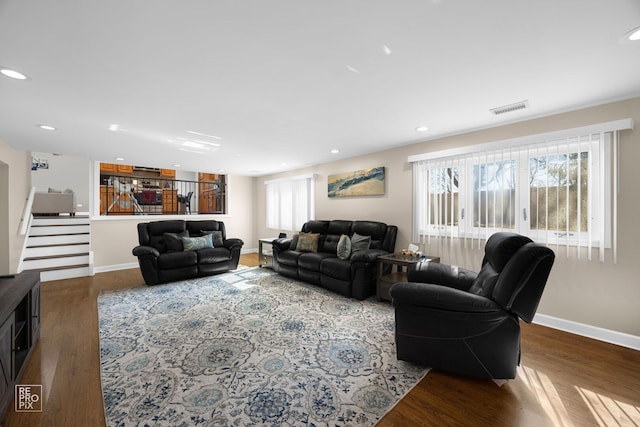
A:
[290,202]
[559,189]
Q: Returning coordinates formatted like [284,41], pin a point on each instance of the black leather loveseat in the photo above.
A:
[164,256]
[355,275]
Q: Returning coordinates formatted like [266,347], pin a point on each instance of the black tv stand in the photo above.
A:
[19,329]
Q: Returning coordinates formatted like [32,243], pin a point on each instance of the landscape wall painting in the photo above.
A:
[365,182]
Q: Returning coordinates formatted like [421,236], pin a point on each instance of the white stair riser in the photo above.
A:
[69,273]
[58,240]
[57,221]
[56,250]
[59,229]
[55,262]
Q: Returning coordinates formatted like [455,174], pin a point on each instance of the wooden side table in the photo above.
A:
[265,256]
[401,262]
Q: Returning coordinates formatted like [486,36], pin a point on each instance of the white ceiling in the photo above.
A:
[283,82]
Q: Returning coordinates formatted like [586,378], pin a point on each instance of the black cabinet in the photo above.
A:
[19,329]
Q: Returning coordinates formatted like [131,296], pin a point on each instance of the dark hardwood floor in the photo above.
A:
[564,379]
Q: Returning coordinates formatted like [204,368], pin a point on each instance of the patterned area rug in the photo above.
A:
[248,348]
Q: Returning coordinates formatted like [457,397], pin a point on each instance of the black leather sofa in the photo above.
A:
[457,320]
[162,257]
[353,277]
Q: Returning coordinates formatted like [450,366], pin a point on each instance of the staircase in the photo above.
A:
[59,247]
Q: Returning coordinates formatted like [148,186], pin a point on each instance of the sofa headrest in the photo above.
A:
[157,228]
[377,231]
[196,228]
[500,248]
[316,226]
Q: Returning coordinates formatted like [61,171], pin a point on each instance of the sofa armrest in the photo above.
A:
[441,298]
[233,243]
[369,255]
[282,244]
[441,274]
[145,250]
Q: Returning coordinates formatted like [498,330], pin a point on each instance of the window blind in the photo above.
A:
[290,202]
[558,188]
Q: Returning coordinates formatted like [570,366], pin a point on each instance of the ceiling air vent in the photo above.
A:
[511,107]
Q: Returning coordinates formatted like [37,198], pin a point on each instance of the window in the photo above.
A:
[555,188]
[290,202]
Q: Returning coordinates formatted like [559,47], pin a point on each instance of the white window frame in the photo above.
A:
[602,150]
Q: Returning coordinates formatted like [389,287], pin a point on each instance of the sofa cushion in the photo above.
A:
[311,260]
[343,249]
[336,268]
[195,243]
[308,242]
[289,258]
[360,243]
[156,231]
[172,260]
[173,241]
[213,255]
[335,229]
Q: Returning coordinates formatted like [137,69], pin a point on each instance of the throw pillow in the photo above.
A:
[294,242]
[174,241]
[344,247]
[308,242]
[360,243]
[195,243]
[216,237]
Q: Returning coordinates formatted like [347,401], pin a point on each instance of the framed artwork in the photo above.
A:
[364,182]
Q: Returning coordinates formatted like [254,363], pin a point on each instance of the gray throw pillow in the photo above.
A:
[344,247]
[360,243]
[294,242]
[216,237]
[173,241]
[195,243]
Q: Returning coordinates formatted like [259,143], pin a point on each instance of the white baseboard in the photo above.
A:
[595,332]
[115,267]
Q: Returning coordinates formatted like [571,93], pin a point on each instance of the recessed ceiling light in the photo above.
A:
[12,73]
[634,35]
[422,129]
[191,151]
[46,127]
[206,142]
[203,134]
[386,49]
[353,70]
[120,159]
[335,151]
[175,165]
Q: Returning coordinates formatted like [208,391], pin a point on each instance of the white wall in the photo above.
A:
[15,183]
[601,295]
[113,238]
[64,172]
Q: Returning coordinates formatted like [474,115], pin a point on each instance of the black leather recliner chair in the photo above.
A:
[456,320]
